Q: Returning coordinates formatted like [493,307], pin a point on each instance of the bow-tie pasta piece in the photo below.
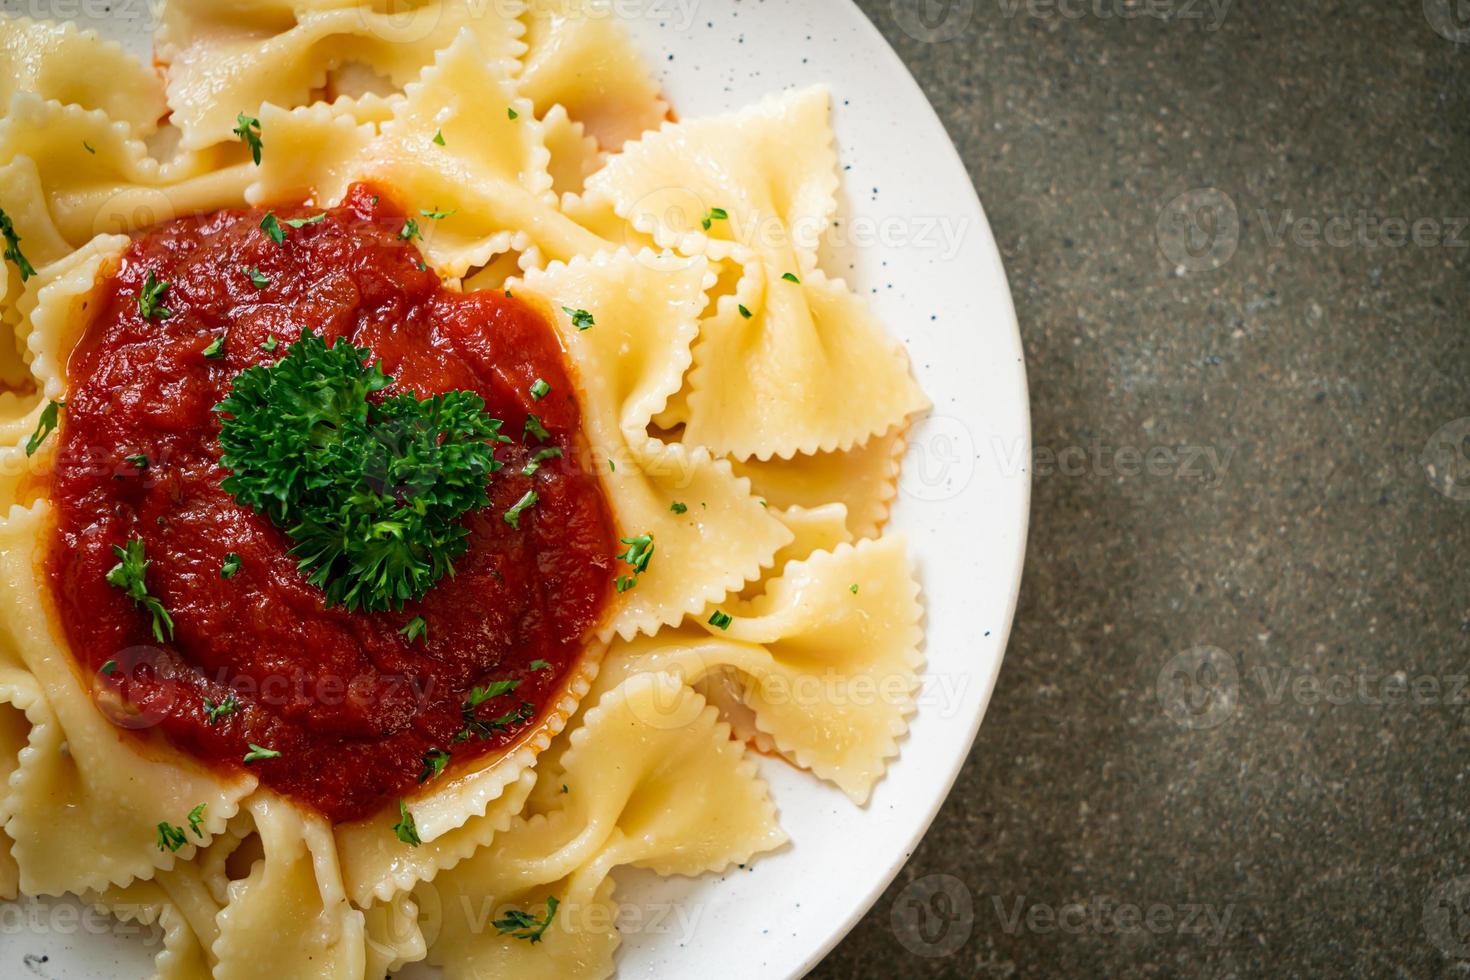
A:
[148,905]
[579,57]
[652,779]
[61,63]
[575,155]
[18,691]
[117,796]
[627,322]
[223,59]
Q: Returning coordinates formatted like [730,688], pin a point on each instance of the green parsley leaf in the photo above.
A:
[108,669]
[415,629]
[513,516]
[624,582]
[745,312]
[257,278]
[271,225]
[89,148]
[434,762]
[270,345]
[140,461]
[196,817]
[230,567]
[130,575]
[611,466]
[512,114]
[50,417]
[315,219]
[476,727]
[535,428]
[639,553]
[540,389]
[524,925]
[214,712]
[410,231]
[249,133]
[258,752]
[539,665]
[550,452]
[438,215]
[371,492]
[715,214]
[679,508]
[439,137]
[149,306]
[721,620]
[791,277]
[581,319]
[12,248]
[495,689]
[852,588]
[171,838]
[216,348]
[405,828]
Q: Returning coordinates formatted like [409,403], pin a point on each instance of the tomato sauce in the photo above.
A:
[351,705]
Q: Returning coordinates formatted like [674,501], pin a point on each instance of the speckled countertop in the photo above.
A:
[1230,735]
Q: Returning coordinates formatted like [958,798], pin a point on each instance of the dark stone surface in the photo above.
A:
[1333,832]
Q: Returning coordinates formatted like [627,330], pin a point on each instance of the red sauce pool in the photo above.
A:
[350,704]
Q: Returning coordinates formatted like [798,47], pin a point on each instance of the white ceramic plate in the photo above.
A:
[912,236]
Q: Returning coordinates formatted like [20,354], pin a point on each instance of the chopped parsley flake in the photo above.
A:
[550,452]
[679,508]
[852,588]
[495,689]
[405,828]
[108,669]
[216,348]
[89,148]
[50,416]
[249,133]
[434,762]
[540,665]
[315,219]
[475,727]
[410,231]
[535,428]
[720,620]
[513,516]
[257,278]
[270,345]
[130,575]
[258,752]
[540,389]
[415,629]
[271,225]
[196,817]
[439,137]
[745,312]
[511,114]
[638,555]
[214,712]
[715,214]
[140,461]
[230,567]
[791,277]
[524,925]
[171,838]
[581,319]
[438,215]
[12,248]
[150,306]
[370,491]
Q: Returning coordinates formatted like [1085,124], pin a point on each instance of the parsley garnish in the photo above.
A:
[215,712]
[270,345]
[371,492]
[260,752]
[12,248]
[108,669]
[257,278]
[476,727]
[494,689]
[679,508]
[524,925]
[791,277]
[216,348]
[511,114]
[744,312]
[315,219]
[550,452]
[196,817]
[149,305]
[410,231]
[50,416]
[438,215]
[171,838]
[405,828]
[540,389]
[89,148]
[720,620]
[130,575]
[414,629]
[852,588]
[535,428]
[715,214]
[581,319]
[230,567]
[540,665]
[638,555]
[249,133]
[439,137]
[434,762]
[513,516]
[271,225]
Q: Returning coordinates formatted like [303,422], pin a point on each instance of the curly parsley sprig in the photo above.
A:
[370,491]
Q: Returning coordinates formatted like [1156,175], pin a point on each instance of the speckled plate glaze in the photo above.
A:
[913,237]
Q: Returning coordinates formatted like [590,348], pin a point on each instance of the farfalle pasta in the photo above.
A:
[465,472]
